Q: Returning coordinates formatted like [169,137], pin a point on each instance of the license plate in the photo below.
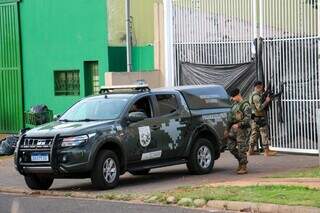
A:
[39,157]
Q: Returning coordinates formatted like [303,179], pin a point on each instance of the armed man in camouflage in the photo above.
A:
[259,122]
[238,130]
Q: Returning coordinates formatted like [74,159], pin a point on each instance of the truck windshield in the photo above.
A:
[95,110]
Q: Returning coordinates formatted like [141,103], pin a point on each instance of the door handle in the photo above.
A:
[155,127]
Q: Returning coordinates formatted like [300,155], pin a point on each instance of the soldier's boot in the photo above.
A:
[239,167]
[268,152]
[243,170]
[251,151]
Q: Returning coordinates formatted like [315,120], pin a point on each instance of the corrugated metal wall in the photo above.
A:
[11,108]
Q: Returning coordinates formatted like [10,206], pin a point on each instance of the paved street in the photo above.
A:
[19,204]
[171,177]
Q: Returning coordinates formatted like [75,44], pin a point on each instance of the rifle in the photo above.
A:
[270,92]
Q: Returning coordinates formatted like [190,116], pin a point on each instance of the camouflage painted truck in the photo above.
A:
[132,129]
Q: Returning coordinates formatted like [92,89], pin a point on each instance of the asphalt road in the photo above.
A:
[19,204]
[171,177]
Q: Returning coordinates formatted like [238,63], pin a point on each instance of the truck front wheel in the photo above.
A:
[37,182]
[201,158]
[106,172]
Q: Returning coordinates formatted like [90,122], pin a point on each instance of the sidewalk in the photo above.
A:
[171,177]
[164,179]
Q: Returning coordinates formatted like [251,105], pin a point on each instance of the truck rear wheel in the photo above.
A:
[106,172]
[37,182]
[201,158]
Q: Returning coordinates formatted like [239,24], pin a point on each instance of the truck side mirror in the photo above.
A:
[56,117]
[137,116]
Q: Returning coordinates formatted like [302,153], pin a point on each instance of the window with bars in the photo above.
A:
[66,83]
[95,79]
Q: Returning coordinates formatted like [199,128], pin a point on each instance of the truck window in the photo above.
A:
[167,104]
[142,105]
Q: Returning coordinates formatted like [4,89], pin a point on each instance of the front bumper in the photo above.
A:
[61,160]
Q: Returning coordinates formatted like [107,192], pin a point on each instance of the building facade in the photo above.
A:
[56,52]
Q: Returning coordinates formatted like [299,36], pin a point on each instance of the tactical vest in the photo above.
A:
[255,112]
[237,111]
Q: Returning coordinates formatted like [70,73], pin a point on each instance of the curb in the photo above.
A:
[259,207]
[48,193]
[211,205]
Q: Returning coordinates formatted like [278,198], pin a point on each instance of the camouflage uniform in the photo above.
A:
[259,123]
[238,138]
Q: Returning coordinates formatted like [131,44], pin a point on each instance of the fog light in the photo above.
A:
[64,159]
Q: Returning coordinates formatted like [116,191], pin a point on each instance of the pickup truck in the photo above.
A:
[126,129]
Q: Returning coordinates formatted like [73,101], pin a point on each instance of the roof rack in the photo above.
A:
[135,88]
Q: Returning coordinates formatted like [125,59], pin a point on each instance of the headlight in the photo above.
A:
[74,141]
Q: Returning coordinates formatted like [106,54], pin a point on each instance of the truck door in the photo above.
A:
[142,136]
[174,121]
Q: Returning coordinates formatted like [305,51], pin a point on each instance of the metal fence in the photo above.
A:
[211,32]
[290,58]
[223,32]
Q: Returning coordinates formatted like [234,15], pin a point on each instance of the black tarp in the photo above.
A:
[232,76]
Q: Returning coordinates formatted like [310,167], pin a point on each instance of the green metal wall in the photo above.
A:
[142,58]
[11,107]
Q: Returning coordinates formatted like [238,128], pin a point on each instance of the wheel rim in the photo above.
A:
[204,157]
[109,170]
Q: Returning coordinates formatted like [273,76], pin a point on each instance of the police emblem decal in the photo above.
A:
[144,136]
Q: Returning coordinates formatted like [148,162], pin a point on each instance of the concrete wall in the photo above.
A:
[60,35]
[142,22]
[159,45]
[125,78]
[142,35]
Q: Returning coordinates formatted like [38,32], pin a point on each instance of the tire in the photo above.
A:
[201,165]
[37,182]
[106,158]
[140,172]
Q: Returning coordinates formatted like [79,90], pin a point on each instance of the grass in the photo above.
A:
[275,194]
[115,196]
[68,194]
[307,173]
